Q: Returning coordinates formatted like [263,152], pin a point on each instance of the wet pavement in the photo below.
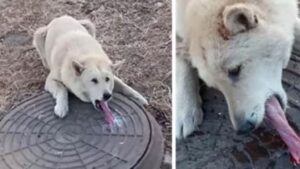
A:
[216,146]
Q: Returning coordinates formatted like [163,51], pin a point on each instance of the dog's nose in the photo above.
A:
[106,96]
[246,128]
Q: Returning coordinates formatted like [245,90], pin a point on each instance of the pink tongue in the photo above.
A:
[276,116]
[108,113]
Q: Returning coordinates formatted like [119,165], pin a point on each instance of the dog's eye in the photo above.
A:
[107,79]
[234,73]
[94,80]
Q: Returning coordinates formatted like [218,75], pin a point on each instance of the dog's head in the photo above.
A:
[96,78]
[246,65]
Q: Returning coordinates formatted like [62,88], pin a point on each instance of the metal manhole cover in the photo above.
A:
[215,145]
[31,137]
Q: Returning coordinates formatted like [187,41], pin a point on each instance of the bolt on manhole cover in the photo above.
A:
[31,137]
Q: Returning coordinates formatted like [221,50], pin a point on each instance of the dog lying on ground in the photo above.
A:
[239,47]
[77,63]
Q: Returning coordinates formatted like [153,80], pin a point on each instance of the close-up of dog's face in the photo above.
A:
[97,82]
[250,74]
[247,65]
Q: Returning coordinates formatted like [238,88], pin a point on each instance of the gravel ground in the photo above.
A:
[139,31]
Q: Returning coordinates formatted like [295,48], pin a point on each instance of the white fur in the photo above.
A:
[218,42]
[186,123]
[69,49]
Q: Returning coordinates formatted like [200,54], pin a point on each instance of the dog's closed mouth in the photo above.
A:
[276,117]
[103,106]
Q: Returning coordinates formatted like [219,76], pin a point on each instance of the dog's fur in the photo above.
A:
[237,46]
[77,63]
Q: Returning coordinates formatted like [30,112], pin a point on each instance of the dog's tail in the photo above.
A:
[39,39]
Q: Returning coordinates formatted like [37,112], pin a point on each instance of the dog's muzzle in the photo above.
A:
[246,128]
[248,125]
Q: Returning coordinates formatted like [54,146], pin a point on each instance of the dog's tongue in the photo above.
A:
[108,113]
[277,118]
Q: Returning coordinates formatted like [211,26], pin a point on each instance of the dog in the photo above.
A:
[77,63]
[239,47]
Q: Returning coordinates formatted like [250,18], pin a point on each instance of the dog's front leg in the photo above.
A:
[188,102]
[121,87]
[60,94]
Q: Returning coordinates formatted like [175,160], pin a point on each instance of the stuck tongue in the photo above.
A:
[108,113]
[277,118]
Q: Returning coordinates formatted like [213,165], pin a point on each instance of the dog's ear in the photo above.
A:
[89,26]
[78,67]
[239,18]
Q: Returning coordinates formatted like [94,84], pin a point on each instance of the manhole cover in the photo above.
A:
[216,139]
[31,137]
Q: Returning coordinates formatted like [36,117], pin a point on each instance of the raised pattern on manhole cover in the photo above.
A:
[32,137]
[69,134]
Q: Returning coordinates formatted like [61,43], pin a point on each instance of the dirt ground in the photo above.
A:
[139,31]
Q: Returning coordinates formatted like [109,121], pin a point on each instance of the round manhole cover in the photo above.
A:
[32,137]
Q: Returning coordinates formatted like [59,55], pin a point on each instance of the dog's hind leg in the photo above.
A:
[39,39]
[123,88]
[60,94]
[89,26]
[188,102]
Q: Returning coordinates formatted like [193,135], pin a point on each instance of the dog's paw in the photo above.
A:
[61,110]
[142,100]
[187,121]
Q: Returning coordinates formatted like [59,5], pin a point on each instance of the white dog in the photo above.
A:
[78,63]
[239,47]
